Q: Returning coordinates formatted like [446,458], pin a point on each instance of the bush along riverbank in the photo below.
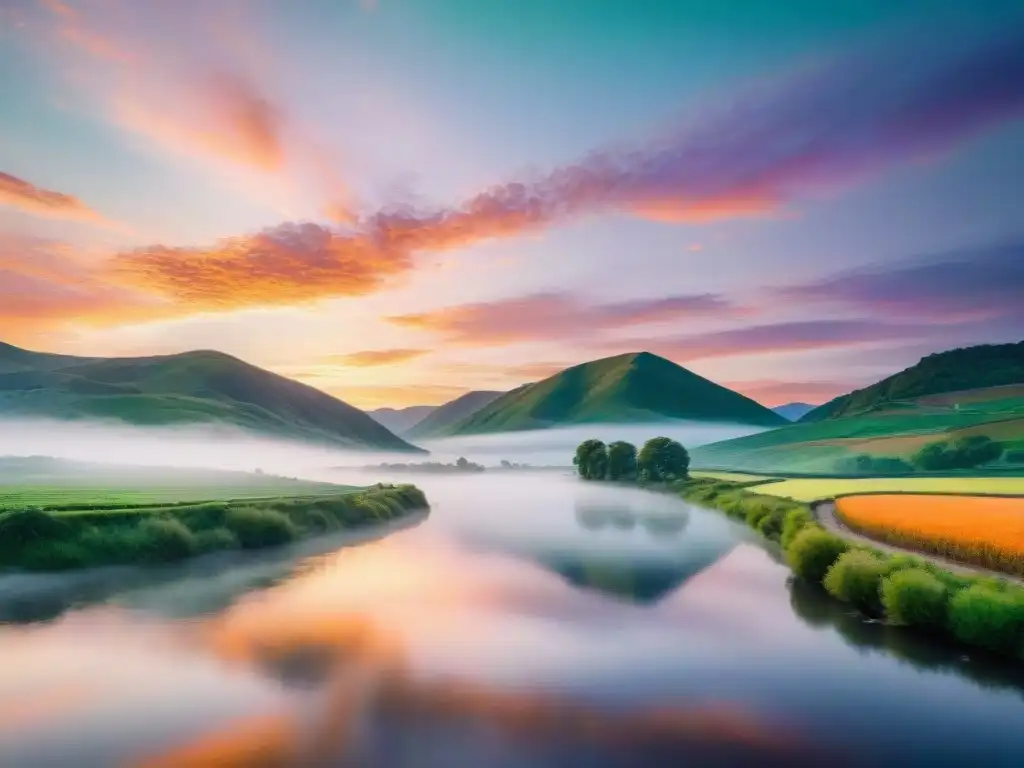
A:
[900,589]
[35,540]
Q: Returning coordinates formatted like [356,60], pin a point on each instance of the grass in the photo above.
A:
[735,477]
[35,539]
[901,589]
[811,489]
[982,530]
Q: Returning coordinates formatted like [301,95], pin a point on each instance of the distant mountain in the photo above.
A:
[193,387]
[970,368]
[401,420]
[793,411]
[636,387]
[443,418]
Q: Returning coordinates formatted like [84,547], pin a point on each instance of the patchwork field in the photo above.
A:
[812,489]
[898,430]
[982,530]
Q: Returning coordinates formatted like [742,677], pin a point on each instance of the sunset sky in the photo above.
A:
[400,200]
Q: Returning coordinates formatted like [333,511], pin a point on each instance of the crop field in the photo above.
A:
[51,484]
[983,530]
[63,496]
[734,477]
[811,489]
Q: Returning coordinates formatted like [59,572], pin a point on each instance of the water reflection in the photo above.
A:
[595,516]
[507,633]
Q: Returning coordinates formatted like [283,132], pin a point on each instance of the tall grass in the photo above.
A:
[36,540]
[902,589]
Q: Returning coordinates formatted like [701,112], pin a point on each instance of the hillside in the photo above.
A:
[896,417]
[201,387]
[401,420]
[445,417]
[636,387]
[793,411]
[970,368]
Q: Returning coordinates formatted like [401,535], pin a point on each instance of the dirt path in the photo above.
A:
[825,512]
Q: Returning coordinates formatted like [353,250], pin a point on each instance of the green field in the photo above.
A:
[811,489]
[735,477]
[54,483]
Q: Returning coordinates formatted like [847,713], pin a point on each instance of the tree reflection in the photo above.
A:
[598,516]
[923,652]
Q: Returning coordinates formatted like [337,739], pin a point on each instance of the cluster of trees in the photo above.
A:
[660,460]
[461,465]
[962,453]
[865,464]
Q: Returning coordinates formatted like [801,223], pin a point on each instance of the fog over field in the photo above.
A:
[223,448]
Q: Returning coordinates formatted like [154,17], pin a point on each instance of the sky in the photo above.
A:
[397,201]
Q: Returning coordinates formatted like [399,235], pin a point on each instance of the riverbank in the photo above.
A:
[36,540]
[973,609]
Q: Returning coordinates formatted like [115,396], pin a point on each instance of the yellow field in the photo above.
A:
[823,488]
[987,531]
[734,477]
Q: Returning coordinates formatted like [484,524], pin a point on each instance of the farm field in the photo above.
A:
[812,489]
[734,477]
[50,483]
[982,530]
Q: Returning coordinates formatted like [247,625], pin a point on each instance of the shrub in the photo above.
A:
[982,616]
[795,521]
[54,556]
[813,551]
[24,527]
[257,527]
[215,539]
[914,597]
[854,578]
[164,539]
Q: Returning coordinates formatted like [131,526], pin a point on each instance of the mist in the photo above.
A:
[207,447]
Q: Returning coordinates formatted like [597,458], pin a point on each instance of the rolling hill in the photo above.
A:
[636,387]
[401,420]
[443,418]
[201,387]
[961,393]
[969,368]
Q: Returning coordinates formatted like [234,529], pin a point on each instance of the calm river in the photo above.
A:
[530,620]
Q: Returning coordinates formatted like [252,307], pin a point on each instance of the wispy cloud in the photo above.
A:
[784,337]
[825,127]
[23,195]
[967,285]
[373,357]
[555,315]
[46,284]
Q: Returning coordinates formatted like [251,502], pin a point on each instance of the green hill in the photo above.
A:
[441,420]
[977,391]
[636,387]
[189,388]
[970,368]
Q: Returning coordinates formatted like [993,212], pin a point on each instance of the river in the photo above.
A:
[530,620]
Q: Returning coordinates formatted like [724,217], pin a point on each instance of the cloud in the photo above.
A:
[795,336]
[824,127]
[46,284]
[287,264]
[219,114]
[542,316]
[27,197]
[371,357]
[963,286]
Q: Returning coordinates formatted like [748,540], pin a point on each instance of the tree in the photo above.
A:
[663,459]
[462,462]
[591,460]
[622,461]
